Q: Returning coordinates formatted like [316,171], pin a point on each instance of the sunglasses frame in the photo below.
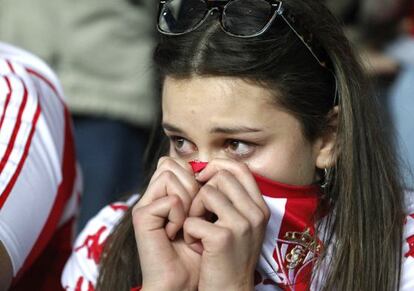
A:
[278,9]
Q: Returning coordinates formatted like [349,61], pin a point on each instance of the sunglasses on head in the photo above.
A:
[238,18]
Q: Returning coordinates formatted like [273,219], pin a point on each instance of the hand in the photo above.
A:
[167,263]
[230,246]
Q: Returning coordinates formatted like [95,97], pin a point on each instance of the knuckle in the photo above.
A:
[224,238]
[174,200]
[161,161]
[244,169]
[166,163]
[193,188]
[206,190]
[259,220]
[223,175]
[266,213]
[185,201]
[168,176]
[209,193]
[187,224]
[137,216]
[220,178]
[243,227]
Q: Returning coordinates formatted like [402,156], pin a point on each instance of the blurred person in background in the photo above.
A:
[39,181]
[401,93]
[384,32]
[101,50]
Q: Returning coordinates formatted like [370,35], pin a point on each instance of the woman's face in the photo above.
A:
[221,117]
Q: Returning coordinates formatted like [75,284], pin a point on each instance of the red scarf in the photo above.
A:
[290,246]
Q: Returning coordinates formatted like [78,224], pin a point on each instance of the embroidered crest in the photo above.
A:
[305,244]
[295,254]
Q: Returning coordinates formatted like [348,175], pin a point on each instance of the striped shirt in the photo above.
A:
[82,269]
[39,185]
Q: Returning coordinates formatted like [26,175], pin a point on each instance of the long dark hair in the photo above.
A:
[364,228]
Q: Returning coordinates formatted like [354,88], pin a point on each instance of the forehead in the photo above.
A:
[215,96]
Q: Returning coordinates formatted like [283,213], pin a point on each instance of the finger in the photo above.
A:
[176,217]
[169,163]
[181,169]
[150,234]
[166,184]
[227,184]
[191,241]
[213,238]
[190,238]
[241,172]
[238,169]
[210,199]
[156,173]
[163,215]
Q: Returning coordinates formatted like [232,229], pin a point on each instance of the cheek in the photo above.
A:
[290,165]
[173,154]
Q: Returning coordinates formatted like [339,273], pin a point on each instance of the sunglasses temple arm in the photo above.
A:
[323,64]
[301,39]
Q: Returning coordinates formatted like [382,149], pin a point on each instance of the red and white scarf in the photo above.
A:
[290,246]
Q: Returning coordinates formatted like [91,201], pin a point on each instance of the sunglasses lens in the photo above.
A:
[178,16]
[246,17]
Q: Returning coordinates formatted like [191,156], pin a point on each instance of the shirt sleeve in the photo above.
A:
[407,268]
[37,163]
[81,270]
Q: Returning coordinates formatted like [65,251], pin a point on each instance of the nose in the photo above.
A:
[207,155]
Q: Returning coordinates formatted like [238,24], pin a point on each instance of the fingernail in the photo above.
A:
[200,176]
[196,175]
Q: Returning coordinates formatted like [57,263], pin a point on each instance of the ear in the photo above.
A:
[325,145]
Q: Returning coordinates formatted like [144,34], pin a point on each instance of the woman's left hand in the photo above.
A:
[231,245]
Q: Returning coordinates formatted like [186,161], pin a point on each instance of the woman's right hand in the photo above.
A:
[167,263]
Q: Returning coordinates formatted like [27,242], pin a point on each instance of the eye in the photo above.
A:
[181,145]
[239,148]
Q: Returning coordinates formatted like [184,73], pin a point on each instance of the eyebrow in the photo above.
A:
[234,130]
[171,127]
[226,130]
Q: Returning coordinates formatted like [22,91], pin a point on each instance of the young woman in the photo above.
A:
[276,174]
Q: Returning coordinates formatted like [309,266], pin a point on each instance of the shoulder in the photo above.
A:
[24,63]
[29,89]
[407,269]
[81,270]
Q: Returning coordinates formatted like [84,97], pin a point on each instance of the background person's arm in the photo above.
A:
[38,176]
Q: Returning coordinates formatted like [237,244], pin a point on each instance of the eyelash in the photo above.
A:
[230,142]
[174,140]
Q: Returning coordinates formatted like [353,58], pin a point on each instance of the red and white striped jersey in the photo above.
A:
[407,270]
[39,185]
[81,271]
